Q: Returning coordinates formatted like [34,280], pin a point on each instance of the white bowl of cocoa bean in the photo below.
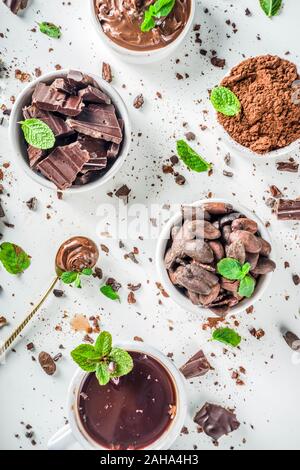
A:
[70,131]
[214,257]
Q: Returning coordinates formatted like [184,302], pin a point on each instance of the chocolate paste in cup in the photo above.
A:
[121,22]
[132,414]
[76,254]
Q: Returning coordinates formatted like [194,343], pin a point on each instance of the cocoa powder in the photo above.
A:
[270,117]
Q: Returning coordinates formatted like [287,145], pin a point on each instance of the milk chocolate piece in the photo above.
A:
[50,99]
[59,127]
[35,155]
[94,95]
[114,149]
[288,209]
[99,122]
[216,421]
[64,85]
[63,164]
[16,5]
[292,340]
[197,366]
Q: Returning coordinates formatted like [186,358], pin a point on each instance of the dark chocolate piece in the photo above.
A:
[197,366]
[288,209]
[59,127]
[50,99]
[292,340]
[2,213]
[35,155]
[98,153]
[114,149]
[106,72]
[291,166]
[94,95]
[84,178]
[216,421]
[64,85]
[16,5]
[80,80]
[99,122]
[63,164]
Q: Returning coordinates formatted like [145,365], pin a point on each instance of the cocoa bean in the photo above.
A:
[226,232]
[230,286]
[245,224]
[209,299]
[199,251]
[217,208]
[194,298]
[251,243]
[218,250]
[266,248]
[196,279]
[198,229]
[264,266]
[194,213]
[252,258]
[47,363]
[237,251]
[228,219]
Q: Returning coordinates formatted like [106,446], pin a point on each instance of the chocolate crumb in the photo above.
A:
[106,72]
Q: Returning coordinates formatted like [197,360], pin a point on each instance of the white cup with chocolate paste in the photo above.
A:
[121,31]
[120,415]
[269,125]
[83,135]
[190,277]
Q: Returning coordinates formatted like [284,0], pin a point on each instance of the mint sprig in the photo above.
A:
[225,101]
[191,158]
[38,134]
[72,277]
[13,258]
[271,7]
[107,362]
[227,336]
[159,9]
[109,292]
[50,29]
[233,270]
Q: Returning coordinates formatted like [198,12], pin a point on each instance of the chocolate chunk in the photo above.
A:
[138,101]
[58,293]
[84,178]
[94,95]
[289,166]
[56,124]
[114,149]
[3,322]
[30,347]
[123,192]
[292,340]
[32,203]
[197,366]
[216,62]
[180,180]
[64,85]
[47,363]
[79,80]
[106,72]
[16,5]
[35,155]
[296,279]
[2,213]
[50,99]
[216,421]
[64,164]
[190,136]
[99,122]
[288,209]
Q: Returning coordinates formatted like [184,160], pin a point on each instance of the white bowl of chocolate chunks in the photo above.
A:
[215,256]
[89,131]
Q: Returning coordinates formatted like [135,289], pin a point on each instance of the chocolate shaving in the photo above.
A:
[197,366]
[216,421]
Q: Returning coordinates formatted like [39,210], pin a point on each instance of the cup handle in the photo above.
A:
[62,440]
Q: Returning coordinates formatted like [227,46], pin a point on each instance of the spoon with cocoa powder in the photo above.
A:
[73,257]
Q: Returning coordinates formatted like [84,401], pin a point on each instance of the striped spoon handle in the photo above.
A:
[21,327]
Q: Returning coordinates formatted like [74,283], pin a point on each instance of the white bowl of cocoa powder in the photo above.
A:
[268,126]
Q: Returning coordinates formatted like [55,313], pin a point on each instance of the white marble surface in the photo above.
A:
[269,401]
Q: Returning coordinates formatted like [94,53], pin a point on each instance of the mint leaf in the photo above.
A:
[68,277]
[109,292]
[225,101]
[191,158]
[38,134]
[230,269]
[245,270]
[50,30]
[86,357]
[102,374]
[103,344]
[227,336]
[148,23]
[159,9]
[13,258]
[271,7]
[77,282]
[247,286]
[122,360]
[87,272]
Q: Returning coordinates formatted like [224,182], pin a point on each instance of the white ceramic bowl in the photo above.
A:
[142,57]
[19,145]
[175,294]
[73,435]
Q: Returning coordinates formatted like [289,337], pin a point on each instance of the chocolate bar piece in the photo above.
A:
[98,153]
[291,166]
[197,366]
[16,5]
[50,99]
[63,85]
[94,95]
[59,127]
[114,149]
[84,178]
[288,209]
[63,164]
[216,421]
[99,122]
[35,155]
[80,80]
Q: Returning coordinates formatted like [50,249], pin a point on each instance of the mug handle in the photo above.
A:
[62,440]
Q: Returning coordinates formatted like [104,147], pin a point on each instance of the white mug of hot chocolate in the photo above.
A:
[74,436]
